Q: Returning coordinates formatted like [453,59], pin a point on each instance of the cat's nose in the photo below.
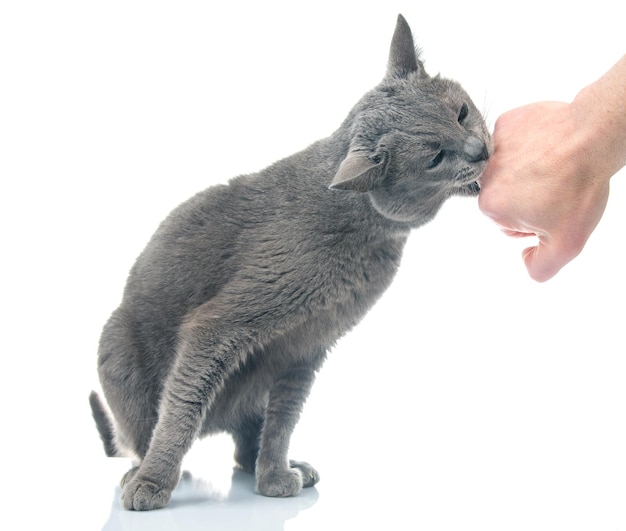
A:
[475,149]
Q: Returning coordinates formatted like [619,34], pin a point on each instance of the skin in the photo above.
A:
[550,170]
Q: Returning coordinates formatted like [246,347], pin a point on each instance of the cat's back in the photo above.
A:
[207,239]
[281,227]
[193,251]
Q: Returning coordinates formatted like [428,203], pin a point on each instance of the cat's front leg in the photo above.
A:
[204,359]
[275,475]
[150,485]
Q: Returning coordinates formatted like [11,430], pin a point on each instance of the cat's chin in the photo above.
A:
[472,189]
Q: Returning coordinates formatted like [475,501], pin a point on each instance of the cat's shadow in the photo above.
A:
[196,504]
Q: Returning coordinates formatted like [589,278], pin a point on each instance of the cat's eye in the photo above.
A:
[463,113]
[437,160]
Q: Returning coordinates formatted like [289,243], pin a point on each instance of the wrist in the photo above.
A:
[600,114]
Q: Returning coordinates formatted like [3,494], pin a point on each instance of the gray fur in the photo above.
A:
[230,309]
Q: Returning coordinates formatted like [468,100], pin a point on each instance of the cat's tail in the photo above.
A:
[104,424]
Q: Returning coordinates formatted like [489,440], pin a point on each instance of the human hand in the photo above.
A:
[542,181]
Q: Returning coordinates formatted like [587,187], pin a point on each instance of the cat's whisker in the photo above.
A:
[486,110]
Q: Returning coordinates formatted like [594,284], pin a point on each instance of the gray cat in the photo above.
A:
[230,309]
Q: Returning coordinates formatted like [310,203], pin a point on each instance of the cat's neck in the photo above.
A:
[350,211]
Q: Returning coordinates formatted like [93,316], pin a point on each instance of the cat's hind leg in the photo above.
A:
[247,437]
[129,475]
[131,393]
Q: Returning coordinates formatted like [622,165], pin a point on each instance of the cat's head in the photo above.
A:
[415,140]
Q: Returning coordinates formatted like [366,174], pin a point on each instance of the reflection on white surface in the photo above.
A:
[198,504]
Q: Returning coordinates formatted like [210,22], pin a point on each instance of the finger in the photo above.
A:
[517,233]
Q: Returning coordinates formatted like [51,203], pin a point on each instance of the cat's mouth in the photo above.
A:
[467,181]
[473,188]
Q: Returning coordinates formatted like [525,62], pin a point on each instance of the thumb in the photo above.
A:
[543,261]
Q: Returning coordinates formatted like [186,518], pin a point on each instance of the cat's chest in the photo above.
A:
[360,270]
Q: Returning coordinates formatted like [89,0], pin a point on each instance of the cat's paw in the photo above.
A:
[143,495]
[310,476]
[279,482]
[126,478]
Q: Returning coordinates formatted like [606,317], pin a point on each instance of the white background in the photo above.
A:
[471,397]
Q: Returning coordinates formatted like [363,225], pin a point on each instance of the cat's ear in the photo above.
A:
[403,57]
[360,171]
